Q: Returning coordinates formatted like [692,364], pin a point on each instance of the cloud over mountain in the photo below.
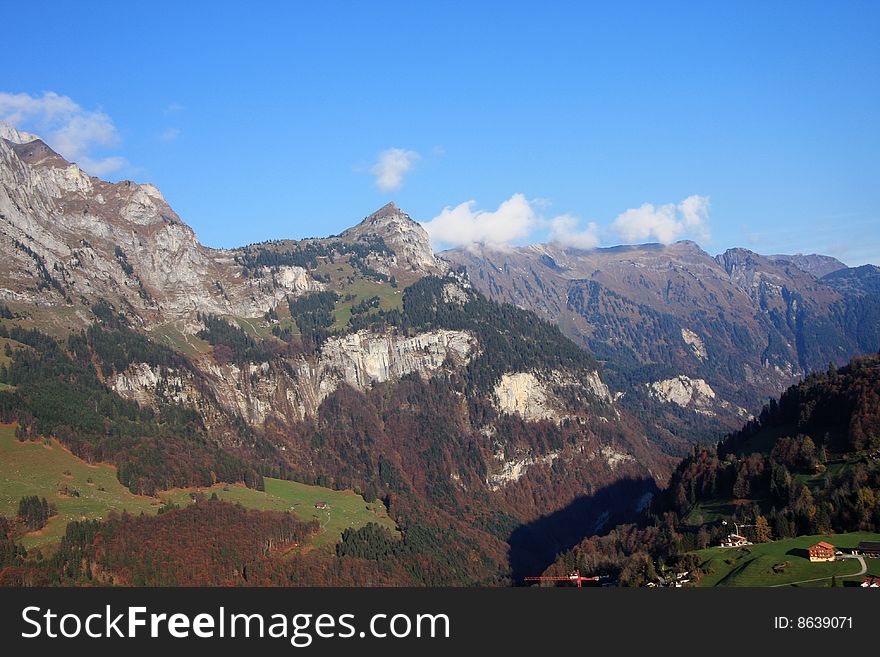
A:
[665,223]
[76,133]
[466,225]
[518,220]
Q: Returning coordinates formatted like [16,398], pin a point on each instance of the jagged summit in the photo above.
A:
[38,152]
[737,259]
[69,239]
[389,210]
[10,133]
[406,237]
[814,263]
[384,221]
[377,222]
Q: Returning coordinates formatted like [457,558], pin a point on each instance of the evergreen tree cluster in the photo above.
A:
[307,253]
[313,315]
[11,553]
[230,342]
[511,339]
[34,512]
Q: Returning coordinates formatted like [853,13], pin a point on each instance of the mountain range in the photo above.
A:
[678,330]
[502,404]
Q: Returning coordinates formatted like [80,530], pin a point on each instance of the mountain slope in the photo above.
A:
[808,465]
[685,335]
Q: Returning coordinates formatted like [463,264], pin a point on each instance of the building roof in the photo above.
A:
[824,545]
[869,545]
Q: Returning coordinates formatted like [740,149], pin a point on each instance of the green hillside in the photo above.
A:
[344,508]
[806,469]
[83,491]
[79,490]
[781,562]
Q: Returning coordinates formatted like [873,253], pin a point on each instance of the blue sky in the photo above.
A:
[742,124]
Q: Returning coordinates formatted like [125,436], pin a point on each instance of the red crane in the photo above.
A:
[574,577]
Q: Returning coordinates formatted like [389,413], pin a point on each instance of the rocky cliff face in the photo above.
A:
[70,239]
[267,390]
[554,395]
[365,357]
[693,394]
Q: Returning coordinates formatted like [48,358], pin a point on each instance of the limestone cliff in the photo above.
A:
[69,239]
[292,390]
[694,394]
[552,395]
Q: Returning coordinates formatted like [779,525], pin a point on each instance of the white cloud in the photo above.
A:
[393,164]
[103,166]
[169,134]
[464,225]
[665,223]
[172,108]
[564,232]
[74,132]
[515,219]
[522,220]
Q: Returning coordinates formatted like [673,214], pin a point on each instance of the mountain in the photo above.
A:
[407,239]
[693,341]
[857,281]
[11,134]
[355,362]
[69,237]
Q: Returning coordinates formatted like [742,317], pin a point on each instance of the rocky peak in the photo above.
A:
[736,255]
[738,260]
[9,133]
[69,238]
[37,153]
[387,212]
[386,220]
[405,237]
[815,264]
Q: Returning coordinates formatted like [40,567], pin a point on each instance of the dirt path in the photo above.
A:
[253,328]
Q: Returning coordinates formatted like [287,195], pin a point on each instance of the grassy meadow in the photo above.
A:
[781,562]
[82,491]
